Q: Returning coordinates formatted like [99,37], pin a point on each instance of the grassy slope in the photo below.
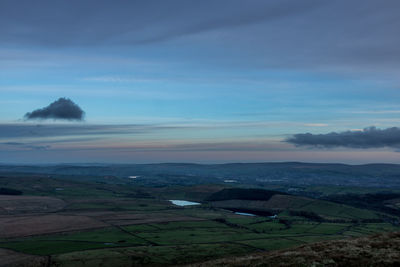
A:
[376,250]
[239,235]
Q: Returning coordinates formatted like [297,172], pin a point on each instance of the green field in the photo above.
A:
[265,235]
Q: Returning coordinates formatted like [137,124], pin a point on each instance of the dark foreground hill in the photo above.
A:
[375,250]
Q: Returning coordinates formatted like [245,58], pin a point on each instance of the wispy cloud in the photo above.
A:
[238,16]
[316,124]
[133,22]
[376,112]
[118,79]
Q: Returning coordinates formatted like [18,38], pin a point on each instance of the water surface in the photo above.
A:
[245,214]
[183,203]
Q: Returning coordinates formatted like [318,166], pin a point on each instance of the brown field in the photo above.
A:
[12,258]
[19,226]
[29,204]
[29,225]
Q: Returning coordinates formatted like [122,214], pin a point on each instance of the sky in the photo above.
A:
[199,81]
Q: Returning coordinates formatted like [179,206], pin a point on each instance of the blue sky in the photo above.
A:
[200,81]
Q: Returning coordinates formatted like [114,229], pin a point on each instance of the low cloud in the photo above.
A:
[371,137]
[26,146]
[87,131]
[62,109]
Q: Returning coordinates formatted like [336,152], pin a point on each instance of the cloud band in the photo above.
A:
[370,137]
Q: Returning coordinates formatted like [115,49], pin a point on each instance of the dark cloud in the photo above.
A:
[371,137]
[339,36]
[236,18]
[62,109]
[72,22]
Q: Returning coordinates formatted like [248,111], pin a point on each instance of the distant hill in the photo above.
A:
[375,250]
[294,173]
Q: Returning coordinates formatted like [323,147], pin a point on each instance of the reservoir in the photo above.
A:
[244,213]
[184,203]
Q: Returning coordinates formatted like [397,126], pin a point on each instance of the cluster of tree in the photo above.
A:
[9,191]
[306,214]
[367,221]
[243,194]
[224,221]
[285,222]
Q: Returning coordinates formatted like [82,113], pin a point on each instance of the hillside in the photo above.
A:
[375,250]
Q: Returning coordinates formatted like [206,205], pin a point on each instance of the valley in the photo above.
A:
[92,220]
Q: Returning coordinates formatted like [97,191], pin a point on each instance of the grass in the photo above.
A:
[108,235]
[377,250]
[201,235]
[185,225]
[267,235]
[49,247]
[138,228]
[203,213]
[85,206]
[68,242]
[316,238]
[328,228]
[190,232]
[119,205]
[334,210]
[245,220]
[149,255]
[272,243]
[371,228]
[267,227]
